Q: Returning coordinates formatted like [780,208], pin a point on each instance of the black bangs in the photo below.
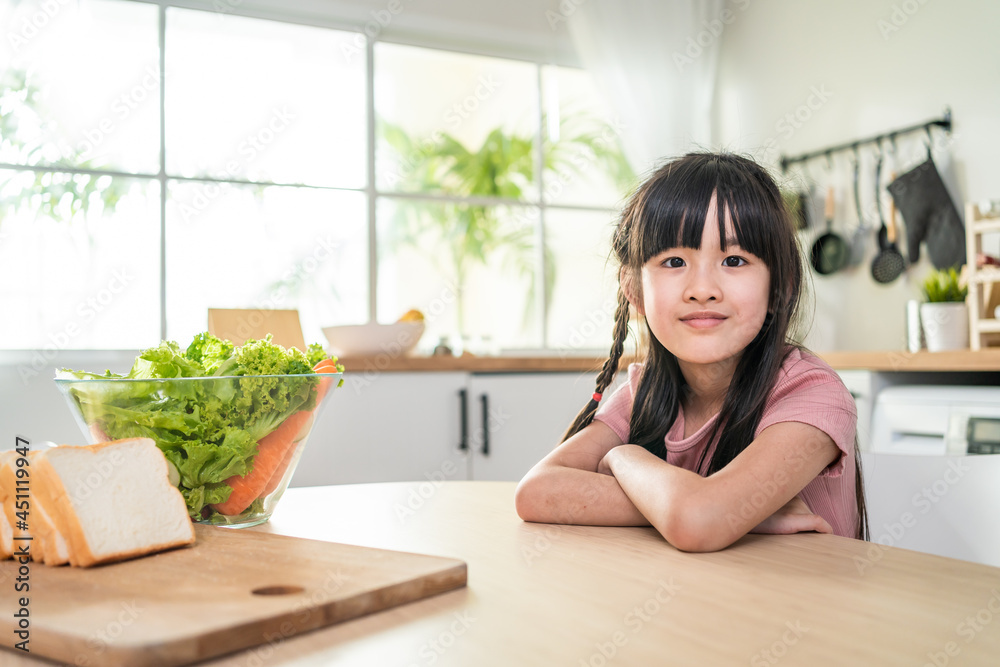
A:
[673,208]
[756,209]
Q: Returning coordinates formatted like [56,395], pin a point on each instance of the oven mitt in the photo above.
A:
[930,215]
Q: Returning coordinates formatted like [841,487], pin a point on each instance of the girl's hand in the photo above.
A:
[793,517]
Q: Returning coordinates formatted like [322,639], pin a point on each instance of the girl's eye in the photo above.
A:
[733,261]
[673,262]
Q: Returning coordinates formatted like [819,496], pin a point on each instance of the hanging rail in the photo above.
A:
[944,123]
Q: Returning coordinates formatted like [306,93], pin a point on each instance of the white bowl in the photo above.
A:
[372,340]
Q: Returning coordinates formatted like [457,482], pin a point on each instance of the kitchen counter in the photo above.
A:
[902,361]
[573,595]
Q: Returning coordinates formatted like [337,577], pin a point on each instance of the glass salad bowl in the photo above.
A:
[231,442]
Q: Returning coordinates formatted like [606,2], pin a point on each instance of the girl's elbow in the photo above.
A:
[693,528]
[526,500]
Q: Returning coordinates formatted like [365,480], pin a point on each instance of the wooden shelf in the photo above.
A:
[902,361]
[990,275]
[476,364]
[984,283]
[986,225]
[888,360]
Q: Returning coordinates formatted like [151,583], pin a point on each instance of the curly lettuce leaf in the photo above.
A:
[209,428]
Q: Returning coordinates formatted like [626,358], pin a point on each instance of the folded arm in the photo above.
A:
[566,487]
[697,513]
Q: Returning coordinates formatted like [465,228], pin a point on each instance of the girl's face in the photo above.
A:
[705,306]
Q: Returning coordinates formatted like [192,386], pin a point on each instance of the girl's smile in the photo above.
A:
[704,319]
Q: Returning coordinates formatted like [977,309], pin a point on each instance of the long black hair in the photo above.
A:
[669,210]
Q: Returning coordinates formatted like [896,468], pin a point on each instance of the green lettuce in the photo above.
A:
[208,430]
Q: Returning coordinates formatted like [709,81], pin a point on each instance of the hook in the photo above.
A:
[930,140]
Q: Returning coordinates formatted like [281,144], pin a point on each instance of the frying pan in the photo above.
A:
[830,251]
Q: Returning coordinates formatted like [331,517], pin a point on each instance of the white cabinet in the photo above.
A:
[519,418]
[407,426]
[387,427]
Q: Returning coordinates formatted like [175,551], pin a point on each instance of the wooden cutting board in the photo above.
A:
[231,590]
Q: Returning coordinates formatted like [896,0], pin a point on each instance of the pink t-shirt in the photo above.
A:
[807,391]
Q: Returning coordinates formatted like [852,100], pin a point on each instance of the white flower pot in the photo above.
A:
[946,325]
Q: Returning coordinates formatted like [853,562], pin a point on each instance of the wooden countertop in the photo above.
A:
[955,360]
[959,360]
[543,594]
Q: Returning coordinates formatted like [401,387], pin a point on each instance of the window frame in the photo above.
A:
[283,14]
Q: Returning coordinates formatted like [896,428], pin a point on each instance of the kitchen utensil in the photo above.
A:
[231,590]
[930,215]
[883,230]
[830,251]
[888,263]
[859,240]
[805,221]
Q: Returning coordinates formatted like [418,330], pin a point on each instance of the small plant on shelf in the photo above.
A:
[944,286]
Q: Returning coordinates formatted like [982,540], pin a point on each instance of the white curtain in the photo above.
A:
[655,61]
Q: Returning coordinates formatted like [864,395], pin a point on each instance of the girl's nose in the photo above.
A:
[702,287]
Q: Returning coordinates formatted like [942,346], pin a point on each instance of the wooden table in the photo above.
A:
[571,595]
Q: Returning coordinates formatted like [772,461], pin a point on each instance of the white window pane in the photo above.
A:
[585,165]
[270,247]
[92,69]
[582,310]
[471,270]
[78,280]
[482,111]
[260,100]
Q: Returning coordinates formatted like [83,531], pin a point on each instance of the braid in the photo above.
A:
[608,371]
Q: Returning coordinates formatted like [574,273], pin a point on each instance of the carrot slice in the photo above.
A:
[271,451]
[279,472]
[325,363]
[275,452]
[325,366]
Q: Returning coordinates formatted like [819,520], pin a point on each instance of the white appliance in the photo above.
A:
[937,420]
[923,489]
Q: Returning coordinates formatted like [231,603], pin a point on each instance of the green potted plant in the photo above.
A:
[945,315]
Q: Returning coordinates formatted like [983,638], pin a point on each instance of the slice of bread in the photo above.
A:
[6,527]
[8,496]
[54,548]
[113,500]
[6,537]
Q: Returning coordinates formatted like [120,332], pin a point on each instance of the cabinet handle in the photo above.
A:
[486,424]
[463,408]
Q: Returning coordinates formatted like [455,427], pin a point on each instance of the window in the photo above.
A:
[237,169]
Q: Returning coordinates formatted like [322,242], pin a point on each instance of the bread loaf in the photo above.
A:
[100,503]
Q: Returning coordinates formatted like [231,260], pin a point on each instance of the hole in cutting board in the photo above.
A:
[277,590]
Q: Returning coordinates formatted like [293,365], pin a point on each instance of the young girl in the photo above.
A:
[727,428]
